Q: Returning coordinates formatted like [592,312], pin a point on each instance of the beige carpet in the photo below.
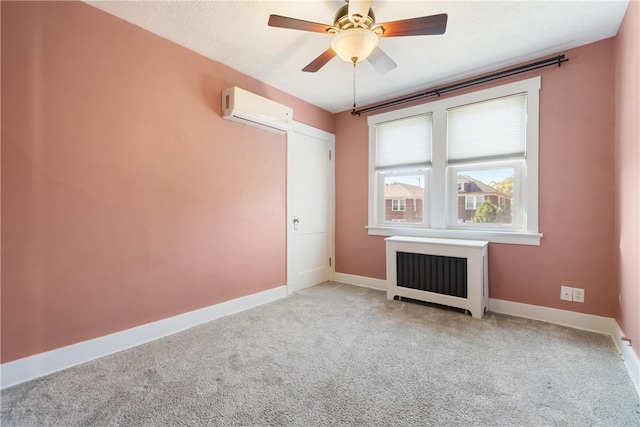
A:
[341,355]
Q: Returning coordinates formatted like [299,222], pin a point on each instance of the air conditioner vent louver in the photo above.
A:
[250,109]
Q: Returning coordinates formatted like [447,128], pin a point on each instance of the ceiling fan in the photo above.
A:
[356,34]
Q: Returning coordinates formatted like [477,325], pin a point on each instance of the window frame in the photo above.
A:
[380,176]
[437,202]
[517,204]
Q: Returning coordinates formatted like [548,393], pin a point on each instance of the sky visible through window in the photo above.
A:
[411,180]
[486,176]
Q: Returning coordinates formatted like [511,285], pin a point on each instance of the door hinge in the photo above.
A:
[329,154]
[329,261]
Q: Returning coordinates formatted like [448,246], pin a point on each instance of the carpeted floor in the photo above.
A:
[342,355]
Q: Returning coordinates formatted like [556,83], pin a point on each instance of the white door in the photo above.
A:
[310,195]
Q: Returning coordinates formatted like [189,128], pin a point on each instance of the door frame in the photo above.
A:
[304,129]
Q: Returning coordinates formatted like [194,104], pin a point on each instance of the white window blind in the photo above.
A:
[404,142]
[490,129]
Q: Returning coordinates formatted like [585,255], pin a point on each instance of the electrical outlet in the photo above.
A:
[578,295]
[566,293]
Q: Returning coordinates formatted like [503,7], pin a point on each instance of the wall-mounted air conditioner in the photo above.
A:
[245,107]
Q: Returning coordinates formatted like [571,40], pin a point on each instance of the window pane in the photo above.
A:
[404,142]
[485,196]
[487,130]
[404,198]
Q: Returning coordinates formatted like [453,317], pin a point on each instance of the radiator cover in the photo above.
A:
[442,271]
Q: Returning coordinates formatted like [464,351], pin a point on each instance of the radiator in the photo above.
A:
[441,271]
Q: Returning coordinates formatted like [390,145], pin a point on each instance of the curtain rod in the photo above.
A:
[467,83]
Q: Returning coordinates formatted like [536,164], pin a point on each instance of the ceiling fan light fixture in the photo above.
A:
[354,44]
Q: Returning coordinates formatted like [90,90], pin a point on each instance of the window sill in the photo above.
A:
[531,239]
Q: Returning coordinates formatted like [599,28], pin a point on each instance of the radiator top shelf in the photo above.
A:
[434,241]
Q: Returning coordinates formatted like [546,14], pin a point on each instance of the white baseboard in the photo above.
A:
[365,282]
[28,368]
[604,325]
[31,367]
[587,322]
[572,319]
[630,357]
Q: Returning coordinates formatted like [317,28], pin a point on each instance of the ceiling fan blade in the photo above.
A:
[297,24]
[381,62]
[422,26]
[320,61]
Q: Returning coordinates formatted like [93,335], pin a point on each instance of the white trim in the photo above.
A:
[532,239]
[438,202]
[572,319]
[517,165]
[311,131]
[31,367]
[629,356]
[365,282]
[587,322]
[28,368]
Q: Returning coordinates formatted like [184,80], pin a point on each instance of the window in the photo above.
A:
[462,167]
[399,205]
[487,201]
[473,202]
[402,159]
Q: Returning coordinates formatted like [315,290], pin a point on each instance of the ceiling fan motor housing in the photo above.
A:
[342,21]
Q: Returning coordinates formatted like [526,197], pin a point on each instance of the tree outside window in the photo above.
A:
[488,213]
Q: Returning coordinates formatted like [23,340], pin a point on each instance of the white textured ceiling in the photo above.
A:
[481,36]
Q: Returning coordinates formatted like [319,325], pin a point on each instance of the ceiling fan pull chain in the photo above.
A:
[354,83]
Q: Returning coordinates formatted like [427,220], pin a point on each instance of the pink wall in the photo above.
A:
[125,197]
[627,160]
[576,193]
